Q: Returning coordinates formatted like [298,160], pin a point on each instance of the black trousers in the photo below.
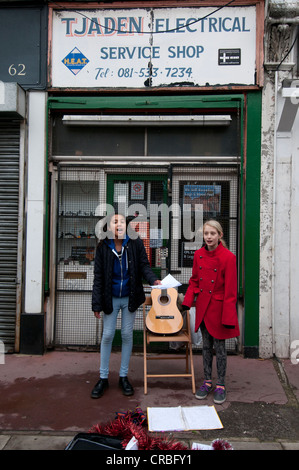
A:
[207,353]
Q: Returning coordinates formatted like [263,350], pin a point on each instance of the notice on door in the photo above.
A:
[157,47]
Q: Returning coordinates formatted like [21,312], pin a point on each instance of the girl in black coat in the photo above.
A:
[120,265]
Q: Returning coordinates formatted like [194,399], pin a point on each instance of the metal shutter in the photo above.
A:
[9,205]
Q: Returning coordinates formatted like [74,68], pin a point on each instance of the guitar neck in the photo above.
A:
[163,262]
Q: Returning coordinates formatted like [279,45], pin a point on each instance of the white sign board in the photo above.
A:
[163,47]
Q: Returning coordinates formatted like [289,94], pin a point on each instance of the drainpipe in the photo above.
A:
[274,214]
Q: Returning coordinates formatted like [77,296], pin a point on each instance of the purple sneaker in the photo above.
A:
[204,390]
[219,394]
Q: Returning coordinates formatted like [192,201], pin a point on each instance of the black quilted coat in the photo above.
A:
[139,269]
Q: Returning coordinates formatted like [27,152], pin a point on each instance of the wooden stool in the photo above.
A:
[183,336]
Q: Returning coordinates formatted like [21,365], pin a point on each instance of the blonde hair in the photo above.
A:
[218,227]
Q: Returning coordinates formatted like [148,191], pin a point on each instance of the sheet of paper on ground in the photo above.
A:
[185,418]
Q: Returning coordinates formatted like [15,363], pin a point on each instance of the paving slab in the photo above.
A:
[3,441]
[34,442]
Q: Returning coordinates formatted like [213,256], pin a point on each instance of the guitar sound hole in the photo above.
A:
[164,299]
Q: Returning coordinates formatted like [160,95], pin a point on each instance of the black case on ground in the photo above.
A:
[94,441]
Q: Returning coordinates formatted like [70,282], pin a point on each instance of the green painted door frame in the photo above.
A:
[251,221]
[249,107]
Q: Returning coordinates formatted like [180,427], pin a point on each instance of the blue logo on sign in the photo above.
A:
[75,61]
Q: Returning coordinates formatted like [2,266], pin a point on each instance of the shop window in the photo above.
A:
[99,141]
[208,192]
[193,141]
[78,195]
[205,136]
[81,191]
[210,198]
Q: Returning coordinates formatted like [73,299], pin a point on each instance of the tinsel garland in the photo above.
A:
[132,424]
[220,444]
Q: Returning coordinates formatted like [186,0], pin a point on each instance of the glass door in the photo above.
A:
[144,199]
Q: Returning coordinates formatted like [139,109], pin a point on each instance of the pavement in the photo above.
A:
[45,400]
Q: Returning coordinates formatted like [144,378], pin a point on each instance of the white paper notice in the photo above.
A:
[199,446]
[167,282]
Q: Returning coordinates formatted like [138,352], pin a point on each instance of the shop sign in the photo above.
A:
[137,48]
[137,190]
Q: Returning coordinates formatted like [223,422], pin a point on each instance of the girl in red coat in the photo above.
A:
[214,282]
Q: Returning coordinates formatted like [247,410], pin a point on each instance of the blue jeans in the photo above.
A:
[109,325]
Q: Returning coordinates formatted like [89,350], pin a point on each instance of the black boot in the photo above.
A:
[126,386]
[99,388]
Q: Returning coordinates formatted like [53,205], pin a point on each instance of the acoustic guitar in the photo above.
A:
[164,316]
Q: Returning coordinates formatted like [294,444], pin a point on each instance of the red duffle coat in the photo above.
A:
[214,282]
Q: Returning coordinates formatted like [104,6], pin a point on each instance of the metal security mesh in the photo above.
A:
[200,194]
[158,199]
[85,195]
[214,190]
[78,195]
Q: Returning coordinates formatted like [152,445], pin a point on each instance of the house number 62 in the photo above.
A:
[17,70]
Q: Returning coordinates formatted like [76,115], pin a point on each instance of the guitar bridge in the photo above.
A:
[165,317]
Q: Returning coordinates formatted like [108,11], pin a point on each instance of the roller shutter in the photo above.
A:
[9,209]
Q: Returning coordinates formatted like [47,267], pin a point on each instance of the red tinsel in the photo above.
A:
[128,425]
[220,444]
[125,428]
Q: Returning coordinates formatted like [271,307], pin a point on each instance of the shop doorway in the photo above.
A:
[143,196]
[157,166]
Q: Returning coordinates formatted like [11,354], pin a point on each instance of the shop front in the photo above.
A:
[153,112]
